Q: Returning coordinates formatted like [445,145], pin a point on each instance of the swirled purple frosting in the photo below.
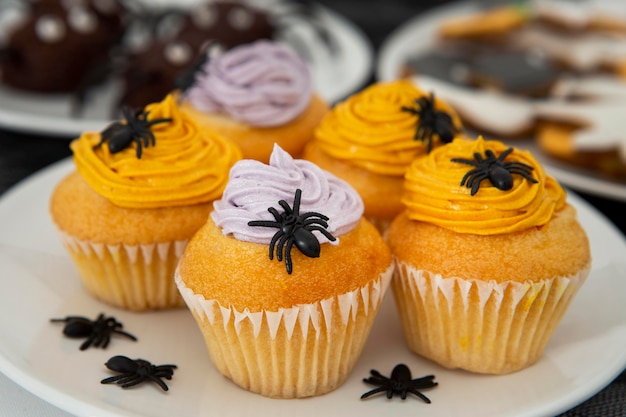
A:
[253,187]
[263,84]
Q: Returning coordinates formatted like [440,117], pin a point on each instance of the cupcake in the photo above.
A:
[257,94]
[141,189]
[488,256]
[371,138]
[285,278]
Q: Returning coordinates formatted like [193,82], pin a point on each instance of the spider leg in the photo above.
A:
[377,374]
[125,380]
[87,342]
[162,384]
[503,155]
[403,393]
[132,381]
[307,216]
[288,262]
[286,207]
[276,215]
[319,222]
[280,245]
[324,232]
[68,318]
[420,134]
[518,167]
[163,373]
[424,382]
[525,175]
[476,182]
[296,202]
[419,394]
[278,235]
[468,175]
[409,109]
[147,138]
[123,333]
[466,161]
[139,148]
[430,142]
[155,121]
[264,223]
[374,391]
[105,339]
[113,379]
[377,380]
[99,337]
[152,138]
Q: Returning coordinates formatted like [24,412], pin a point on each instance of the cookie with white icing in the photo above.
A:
[589,133]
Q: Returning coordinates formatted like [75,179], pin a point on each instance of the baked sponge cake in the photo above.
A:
[371,138]
[257,94]
[127,211]
[285,278]
[488,255]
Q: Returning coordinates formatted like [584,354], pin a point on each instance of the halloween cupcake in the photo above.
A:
[371,138]
[141,188]
[488,255]
[257,94]
[285,278]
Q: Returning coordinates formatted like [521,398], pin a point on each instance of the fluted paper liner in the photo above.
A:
[480,326]
[295,352]
[133,277]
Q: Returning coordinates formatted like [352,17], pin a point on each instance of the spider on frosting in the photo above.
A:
[493,168]
[431,121]
[294,229]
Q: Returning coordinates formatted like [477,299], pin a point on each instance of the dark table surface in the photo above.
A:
[22,154]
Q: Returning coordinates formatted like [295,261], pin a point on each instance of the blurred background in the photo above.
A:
[24,151]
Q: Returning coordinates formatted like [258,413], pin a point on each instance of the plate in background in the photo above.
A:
[418,35]
[335,76]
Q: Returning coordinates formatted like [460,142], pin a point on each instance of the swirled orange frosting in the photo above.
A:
[186,166]
[434,194]
[371,131]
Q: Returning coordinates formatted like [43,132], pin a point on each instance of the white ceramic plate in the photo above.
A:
[335,76]
[39,282]
[418,35]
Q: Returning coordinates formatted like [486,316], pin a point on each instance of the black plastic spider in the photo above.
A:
[431,121]
[294,228]
[97,332]
[498,172]
[188,78]
[400,382]
[136,371]
[136,129]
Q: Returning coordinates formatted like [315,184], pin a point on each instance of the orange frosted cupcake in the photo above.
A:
[488,257]
[257,94]
[291,323]
[371,138]
[130,207]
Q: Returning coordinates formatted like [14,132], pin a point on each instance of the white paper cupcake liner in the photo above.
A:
[134,277]
[300,351]
[481,326]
